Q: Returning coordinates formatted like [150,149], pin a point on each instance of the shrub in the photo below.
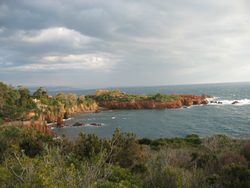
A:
[121,178]
[126,151]
[3,148]
[230,158]
[1,121]
[145,141]
[193,139]
[87,146]
[207,161]
[5,177]
[162,176]
[31,147]
[213,180]
[236,176]
[157,143]
[246,151]
[217,143]
[12,134]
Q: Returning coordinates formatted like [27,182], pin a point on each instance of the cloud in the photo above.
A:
[173,41]
[93,62]
[54,35]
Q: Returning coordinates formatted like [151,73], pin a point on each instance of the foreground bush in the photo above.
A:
[32,159]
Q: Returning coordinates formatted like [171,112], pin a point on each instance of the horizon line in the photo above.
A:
[113,87]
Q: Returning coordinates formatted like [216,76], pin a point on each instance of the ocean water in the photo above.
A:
[225,118]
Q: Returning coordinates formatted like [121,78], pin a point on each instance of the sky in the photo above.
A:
[117,43]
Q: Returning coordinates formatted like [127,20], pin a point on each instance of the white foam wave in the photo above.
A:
[91,125]
[216,101]
[212,99]
[51,124]
[67,119]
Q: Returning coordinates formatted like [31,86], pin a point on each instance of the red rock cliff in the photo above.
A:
[65,113]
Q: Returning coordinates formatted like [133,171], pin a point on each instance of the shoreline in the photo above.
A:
[187,102]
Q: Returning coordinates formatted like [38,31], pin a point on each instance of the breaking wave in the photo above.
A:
[217,101]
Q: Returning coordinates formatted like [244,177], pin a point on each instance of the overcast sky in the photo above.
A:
[103,43]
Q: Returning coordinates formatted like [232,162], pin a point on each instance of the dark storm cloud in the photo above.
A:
[118,42]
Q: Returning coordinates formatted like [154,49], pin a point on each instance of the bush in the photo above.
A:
[193,139]
[246,151]
[236,176]
[217,143]
[12,134]
[213,180]
[87,146]
[126,151]
[31,147]
[162,176]
[1,121]
[5,177]
[32,159]
[206,161]
[3,148]
[145,141]
[121,178]
[228,159]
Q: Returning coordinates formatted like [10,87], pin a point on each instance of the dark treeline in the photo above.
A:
[32,159]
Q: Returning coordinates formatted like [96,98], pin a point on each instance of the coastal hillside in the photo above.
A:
[33,159]
[19,105]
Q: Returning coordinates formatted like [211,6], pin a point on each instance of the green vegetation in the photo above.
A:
[15,103]
[32,159]
[18,103]
[1,121]
[123,97]
[163,98]
[118,96]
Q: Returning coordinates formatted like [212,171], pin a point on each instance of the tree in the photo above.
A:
[40,92]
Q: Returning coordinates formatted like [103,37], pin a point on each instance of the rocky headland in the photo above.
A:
[114,99]
[158,101]
[41,110]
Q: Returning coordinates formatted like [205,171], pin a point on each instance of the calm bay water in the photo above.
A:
[225,118]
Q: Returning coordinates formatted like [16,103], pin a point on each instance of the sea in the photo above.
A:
[218,117]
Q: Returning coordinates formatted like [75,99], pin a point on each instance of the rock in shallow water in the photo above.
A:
[77,124]
[235,102]
[96,124]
